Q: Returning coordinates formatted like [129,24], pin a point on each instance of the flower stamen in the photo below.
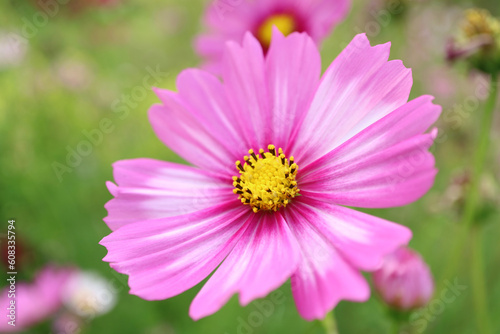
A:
[267,180]
[284,22]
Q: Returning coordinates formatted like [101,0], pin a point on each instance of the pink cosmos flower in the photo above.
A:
[230,20]
[404,281]
[34,301]
[350,138]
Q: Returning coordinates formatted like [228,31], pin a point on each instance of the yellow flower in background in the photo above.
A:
[477,41]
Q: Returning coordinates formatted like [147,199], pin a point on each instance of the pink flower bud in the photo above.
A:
[404,281]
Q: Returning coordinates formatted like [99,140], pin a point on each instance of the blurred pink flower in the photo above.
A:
[35,301]
[230,20]
[404,281]
[84,294]
[357,140]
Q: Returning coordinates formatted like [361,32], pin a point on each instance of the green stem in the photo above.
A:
[330,324]
[473,195]
[396,326]
[478,282]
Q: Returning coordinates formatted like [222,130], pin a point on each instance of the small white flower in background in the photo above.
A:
[13,49]
[88,294]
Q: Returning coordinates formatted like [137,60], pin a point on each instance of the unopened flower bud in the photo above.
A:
[404,280]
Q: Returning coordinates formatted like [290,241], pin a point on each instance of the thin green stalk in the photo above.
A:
[330,324]
[478,282]
[396,327]
[473,193]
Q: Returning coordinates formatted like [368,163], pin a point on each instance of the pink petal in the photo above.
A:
[386,165]
[224,24]
[245,86]
[293,66]
[362,239]
[323,277]
[264,258]
[324,15]
[359,88]
[230,20]
[182,132]
[213,124]
[203,96]
[211,47]
[150,189]
[165,257]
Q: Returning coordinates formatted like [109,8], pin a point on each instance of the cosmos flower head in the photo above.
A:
[404,281]
[230,20]
[277,153]
[477,41]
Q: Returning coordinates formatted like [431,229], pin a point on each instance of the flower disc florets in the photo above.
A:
[286,23]
[267,180]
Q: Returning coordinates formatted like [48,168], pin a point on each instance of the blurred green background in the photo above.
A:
[83,59]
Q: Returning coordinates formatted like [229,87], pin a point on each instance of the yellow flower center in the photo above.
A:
[267,180]
[284,22]
[480,22]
